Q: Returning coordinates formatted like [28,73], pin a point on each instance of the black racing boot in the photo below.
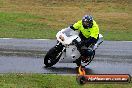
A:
[78,45]
[78,61]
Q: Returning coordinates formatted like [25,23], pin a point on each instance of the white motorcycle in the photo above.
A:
[66,51]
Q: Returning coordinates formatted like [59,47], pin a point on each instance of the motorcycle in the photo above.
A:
[66,51]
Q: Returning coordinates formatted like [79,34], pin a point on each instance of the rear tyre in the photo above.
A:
[86,61]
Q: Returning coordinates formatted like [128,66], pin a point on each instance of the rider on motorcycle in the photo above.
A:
[88,31]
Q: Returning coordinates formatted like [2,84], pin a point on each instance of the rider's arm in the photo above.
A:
[77,25]
[73,28]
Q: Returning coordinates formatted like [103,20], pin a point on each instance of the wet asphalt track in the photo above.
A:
[26,56]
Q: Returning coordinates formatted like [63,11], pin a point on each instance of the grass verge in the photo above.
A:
[49,81]
[43,18]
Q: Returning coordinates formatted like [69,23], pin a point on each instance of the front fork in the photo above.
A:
[60,48]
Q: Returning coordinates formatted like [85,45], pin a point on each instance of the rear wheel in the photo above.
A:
[84,61]
[53,56]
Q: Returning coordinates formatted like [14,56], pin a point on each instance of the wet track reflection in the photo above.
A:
[26,56]
[34,64]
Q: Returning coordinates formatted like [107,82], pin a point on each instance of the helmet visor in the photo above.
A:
[86,23]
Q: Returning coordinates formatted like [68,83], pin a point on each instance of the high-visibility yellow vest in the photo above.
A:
[90,32]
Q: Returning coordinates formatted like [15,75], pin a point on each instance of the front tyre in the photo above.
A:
[52,57]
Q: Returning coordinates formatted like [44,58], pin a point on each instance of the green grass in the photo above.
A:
[49,81]
[19,25]
[44,18]
[117,35]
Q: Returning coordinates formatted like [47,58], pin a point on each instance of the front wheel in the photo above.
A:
[52,57]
